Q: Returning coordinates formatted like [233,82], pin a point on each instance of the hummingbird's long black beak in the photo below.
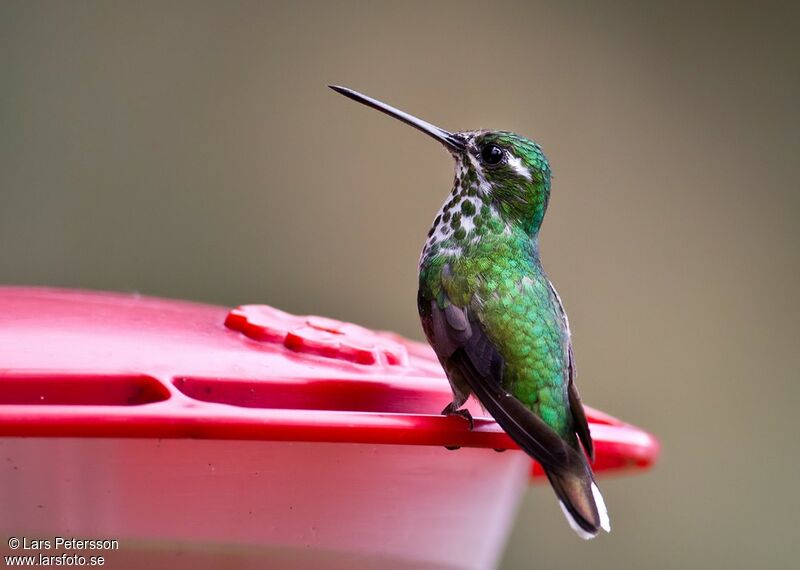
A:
[451,140]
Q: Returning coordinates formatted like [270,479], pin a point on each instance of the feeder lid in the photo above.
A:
[90,364]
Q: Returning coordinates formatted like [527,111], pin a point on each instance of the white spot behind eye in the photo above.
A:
[515,163]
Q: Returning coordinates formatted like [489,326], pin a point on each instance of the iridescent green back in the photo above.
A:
[502,282]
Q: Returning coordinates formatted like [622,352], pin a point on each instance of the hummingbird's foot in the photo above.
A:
[500,449]
[451,410]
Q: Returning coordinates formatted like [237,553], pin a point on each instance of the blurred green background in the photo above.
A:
[192,150]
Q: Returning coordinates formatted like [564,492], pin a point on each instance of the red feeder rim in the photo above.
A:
[91,364]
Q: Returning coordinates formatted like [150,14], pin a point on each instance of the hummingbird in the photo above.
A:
[493,317]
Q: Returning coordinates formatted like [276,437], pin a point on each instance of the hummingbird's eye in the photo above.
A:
[492,154]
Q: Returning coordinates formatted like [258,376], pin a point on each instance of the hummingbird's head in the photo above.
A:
[499,175]
[507,170]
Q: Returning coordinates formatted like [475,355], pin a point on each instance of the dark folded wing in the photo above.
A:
[465,350]
[575,404]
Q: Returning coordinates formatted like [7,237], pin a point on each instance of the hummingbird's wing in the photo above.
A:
[575,404]
[578,412]
[464,349]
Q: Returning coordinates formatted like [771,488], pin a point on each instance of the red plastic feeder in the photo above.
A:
[251,435]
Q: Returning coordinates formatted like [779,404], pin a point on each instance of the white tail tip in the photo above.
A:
[605,523]
[574,525]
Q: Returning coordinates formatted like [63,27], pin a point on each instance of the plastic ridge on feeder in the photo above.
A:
[285,377]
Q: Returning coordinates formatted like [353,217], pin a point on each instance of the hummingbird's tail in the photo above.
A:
[581,501]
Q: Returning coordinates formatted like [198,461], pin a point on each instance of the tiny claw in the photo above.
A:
[499,449]
[450,410]
[452,447]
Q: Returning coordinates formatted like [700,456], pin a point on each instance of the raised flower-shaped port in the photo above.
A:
[317,335]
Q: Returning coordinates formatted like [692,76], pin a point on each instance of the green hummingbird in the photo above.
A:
[491,314]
